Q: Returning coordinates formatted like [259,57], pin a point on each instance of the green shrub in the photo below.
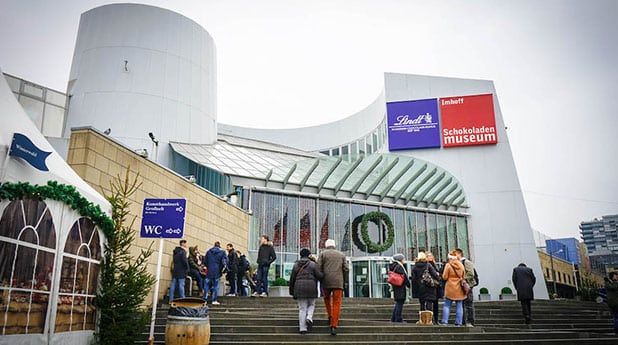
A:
[506,291]
[484,291]
[280,282]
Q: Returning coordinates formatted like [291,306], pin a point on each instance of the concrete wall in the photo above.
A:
[167,85]
[97,159]
[332,134]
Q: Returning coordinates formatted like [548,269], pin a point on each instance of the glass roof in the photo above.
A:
[229,155]
[380,175]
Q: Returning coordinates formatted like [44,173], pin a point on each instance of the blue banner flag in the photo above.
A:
[24,148]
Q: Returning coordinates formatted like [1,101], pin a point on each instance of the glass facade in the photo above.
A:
[293,222]
[44,106]
[367,145]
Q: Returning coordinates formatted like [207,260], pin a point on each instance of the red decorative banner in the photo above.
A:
[468,120]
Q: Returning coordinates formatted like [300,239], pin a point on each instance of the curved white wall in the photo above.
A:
[168,86]
[315,138]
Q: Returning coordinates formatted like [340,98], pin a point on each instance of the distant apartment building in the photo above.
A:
[601,239]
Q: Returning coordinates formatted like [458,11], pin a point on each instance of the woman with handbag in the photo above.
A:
[398,278]
[453,274]
[426,280]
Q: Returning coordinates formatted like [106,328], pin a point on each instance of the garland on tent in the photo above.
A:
[366,244]
[59,192]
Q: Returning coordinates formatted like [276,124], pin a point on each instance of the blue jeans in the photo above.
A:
[214,288]
[458,311]
[397,311]
[181,288]
[262,278]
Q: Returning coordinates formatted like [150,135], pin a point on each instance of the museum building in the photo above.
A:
[426,166]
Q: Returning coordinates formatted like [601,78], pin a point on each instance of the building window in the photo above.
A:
[27,244]
[547,272]
[78,278]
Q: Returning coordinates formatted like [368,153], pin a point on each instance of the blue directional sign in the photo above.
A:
[163,218]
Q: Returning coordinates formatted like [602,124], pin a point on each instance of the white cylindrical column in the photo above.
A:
[138,69]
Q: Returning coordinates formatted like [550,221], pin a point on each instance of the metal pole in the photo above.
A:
[553,272]
[155,296]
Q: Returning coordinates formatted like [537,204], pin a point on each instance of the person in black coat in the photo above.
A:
[399,292]
[243,267]
[232,269]
[427,295]
[439,289]
[304,288]
[524,280]
[180,270]
[266,256]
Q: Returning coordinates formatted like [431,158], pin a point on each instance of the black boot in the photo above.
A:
[333,331]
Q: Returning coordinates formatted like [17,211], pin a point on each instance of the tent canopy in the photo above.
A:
[13,119]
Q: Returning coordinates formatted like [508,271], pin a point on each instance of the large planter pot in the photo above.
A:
[279,291]
[485,297]
[508,297]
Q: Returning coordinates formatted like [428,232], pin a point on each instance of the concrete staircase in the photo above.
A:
[244,320]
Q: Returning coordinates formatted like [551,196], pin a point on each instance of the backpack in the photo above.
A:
[428,280]
[244,264]
[476,278]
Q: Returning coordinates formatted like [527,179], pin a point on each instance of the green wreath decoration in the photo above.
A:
[375,217]
[355,238]
[59,192]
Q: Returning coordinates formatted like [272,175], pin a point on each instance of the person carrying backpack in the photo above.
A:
[399,292]
[243,267]
[427,280]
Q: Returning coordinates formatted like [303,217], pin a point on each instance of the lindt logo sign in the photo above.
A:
[404,120]
[413,124]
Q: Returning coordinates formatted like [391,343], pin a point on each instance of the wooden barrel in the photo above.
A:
[187,330]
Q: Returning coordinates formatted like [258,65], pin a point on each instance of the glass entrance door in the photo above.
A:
[368,277]
[379,274]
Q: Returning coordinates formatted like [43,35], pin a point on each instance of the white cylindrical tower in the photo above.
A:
[138,69]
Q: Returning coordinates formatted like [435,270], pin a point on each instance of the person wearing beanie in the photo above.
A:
[332,264]
[399,292]
[453,274]
[304,288]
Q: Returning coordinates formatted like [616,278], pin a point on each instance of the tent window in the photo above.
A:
[27,244]
[78,278]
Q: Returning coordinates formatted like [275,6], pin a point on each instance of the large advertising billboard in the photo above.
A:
[468,120]
[413,124]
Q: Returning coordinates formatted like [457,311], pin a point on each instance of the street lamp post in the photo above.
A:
[553,272]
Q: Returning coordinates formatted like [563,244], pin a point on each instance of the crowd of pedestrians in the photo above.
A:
[325,275]
[207,270]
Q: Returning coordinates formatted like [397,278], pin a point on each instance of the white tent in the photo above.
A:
[49,254]
[13,119]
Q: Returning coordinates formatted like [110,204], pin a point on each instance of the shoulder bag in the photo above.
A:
[396,279]
[462,282]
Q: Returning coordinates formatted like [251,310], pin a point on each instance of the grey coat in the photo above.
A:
[304,279]
[332,264]
[524,280]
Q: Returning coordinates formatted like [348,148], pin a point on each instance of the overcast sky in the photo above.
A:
[297,63]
